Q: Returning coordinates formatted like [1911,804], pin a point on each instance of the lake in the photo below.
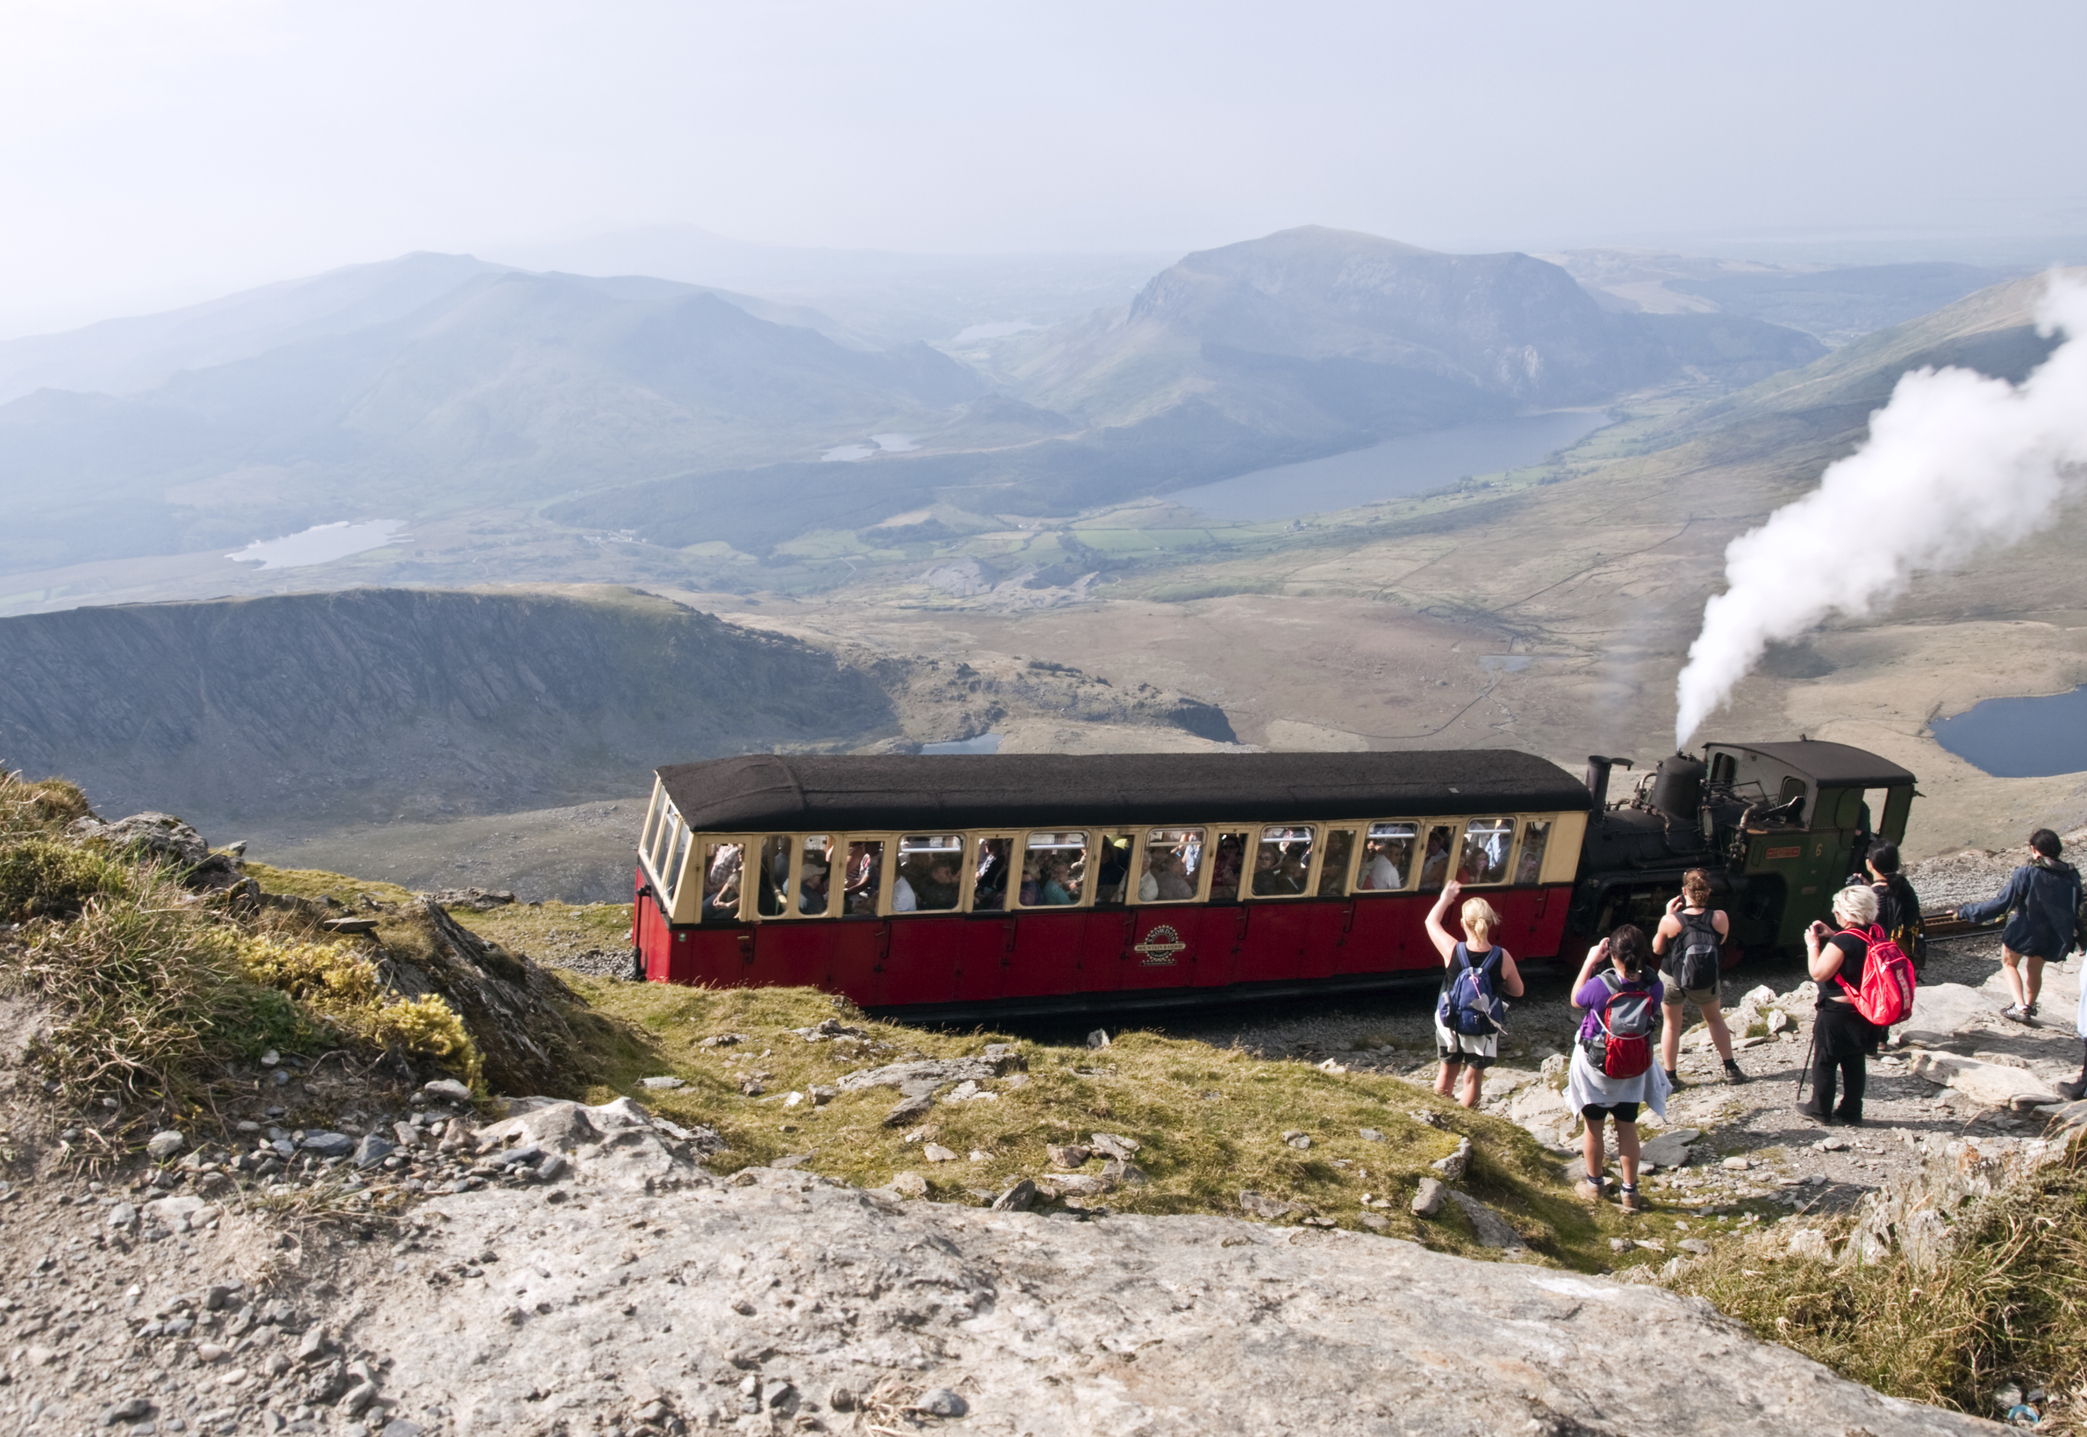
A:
[320,544]
[984,743]
[1395,469]
[2021,738]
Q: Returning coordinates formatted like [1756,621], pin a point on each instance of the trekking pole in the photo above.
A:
[1806,1071]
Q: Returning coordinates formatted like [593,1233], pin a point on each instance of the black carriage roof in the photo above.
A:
[1829,764]
[781,793]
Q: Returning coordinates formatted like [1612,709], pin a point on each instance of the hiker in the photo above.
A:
[1842,1039]
[1691,938]
[2042,899]
[1898,906]
[1492,973]
[1612,1073]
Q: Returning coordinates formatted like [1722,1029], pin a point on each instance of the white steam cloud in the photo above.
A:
[1956,463]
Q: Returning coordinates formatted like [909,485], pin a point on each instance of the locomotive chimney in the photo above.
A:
[1598,779]
[1677,788]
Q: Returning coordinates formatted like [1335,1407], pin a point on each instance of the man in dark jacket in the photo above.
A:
[2041,899]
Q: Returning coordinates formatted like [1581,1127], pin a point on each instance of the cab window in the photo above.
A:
[1486,845]
[931,873]
[1282,858]
[1173,865]
[1387,857]
[1054,868]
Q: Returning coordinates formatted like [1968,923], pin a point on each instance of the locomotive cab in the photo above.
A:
[1778,826]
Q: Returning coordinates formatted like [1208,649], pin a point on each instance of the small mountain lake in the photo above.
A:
[2021,738]
[984,743]
[320,544]
[1396,469]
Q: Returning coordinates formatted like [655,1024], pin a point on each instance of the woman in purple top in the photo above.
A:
[1598,1095]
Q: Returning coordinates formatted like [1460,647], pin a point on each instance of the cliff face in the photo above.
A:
[374,704]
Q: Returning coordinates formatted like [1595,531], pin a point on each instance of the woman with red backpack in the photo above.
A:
[1842,1038]
[1612,1073]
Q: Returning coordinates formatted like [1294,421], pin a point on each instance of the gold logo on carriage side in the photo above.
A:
[1159,947]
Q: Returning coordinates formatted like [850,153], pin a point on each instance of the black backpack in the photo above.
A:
[1700,955]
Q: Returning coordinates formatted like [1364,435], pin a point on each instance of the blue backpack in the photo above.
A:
[1471,1004]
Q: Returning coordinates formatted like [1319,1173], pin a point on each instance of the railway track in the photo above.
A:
[1943,923]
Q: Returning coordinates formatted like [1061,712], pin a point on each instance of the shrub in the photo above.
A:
[32,808]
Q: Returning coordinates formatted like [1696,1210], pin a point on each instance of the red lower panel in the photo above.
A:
[1049,956]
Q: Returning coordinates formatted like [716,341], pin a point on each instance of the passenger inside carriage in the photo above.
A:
[721,883]
[1434,865]
[864,877]
[1379,871]
[929,890]
[1115,869]
[1059,885]
[1224,868]
[1270,879]
[989,888]
[811,888]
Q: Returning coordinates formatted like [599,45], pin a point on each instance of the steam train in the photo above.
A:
[960,885]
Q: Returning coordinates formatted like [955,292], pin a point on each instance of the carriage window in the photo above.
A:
[989,875]
[1226,864]
[1333,868]
[1173,865]
[1387,857]
[931,867]
[1281,860]
[1054,866]
[723,864]
[815,884]
[864,875]
[1486,841]
[1536,836]
[1112,878]
[775,877]
[1434,863]
[677,853]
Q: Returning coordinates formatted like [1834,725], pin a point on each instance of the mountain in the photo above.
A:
[316,710]
[505,388]
[1320,330]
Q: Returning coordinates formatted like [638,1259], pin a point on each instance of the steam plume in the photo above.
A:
[1955,464]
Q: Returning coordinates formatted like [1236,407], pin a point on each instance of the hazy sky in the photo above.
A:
[158,151]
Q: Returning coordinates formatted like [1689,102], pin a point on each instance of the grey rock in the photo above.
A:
[841,1399]
[372,1150]
[1127,1173]
[400,1427]
[1265,1207]
[164,1144]
[553,1167]
[130,1409]
[1491,1229]
[329,1145]
[1099,1038]
[123,1215]
[1429,1197]
[1017,1198]
[910,1185]
[524,1156]
[1693,1244]
[922,1076]
[1297,1140]
[1111,1145]
[936,1153]
[1376,1221]
[216,1297]
[908,1110]
[1456,1164]
[941,1402]
[666,1083]
[1671,1149]
[1370,1135]
[1068,1156]
[1832,1145]
[447,1089]
[357,1399]
[312,1346]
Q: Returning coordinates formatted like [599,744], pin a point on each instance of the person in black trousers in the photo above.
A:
[1842,1039]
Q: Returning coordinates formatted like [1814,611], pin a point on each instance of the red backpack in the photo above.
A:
[1886,994]
[1622,1044]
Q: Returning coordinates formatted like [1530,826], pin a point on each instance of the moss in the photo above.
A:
[44,878]
[343,990]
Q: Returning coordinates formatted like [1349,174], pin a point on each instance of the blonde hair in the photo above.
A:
[1477,910]
[1856,906]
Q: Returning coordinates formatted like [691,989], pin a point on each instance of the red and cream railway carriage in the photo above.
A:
[1051,883]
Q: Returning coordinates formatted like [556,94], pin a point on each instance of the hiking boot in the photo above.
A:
[2015,1013]
[1673,1078]
[1734,1073]
[1587,1191]
[2029,1012]
[1847,1120]
[1629,1200]
[1816,1113]
[2074,1091]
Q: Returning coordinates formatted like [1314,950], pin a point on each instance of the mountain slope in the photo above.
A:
[320,709]
[507,387]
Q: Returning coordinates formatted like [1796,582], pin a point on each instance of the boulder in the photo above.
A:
[921,1077]
[1942,1012]
[1491,1229]
[1429,1197]
[1671,1149]
[1993,1085]
[1087,1331]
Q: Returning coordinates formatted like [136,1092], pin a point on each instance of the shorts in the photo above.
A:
[1703,998]
[1464,1049]
[1621,1112]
